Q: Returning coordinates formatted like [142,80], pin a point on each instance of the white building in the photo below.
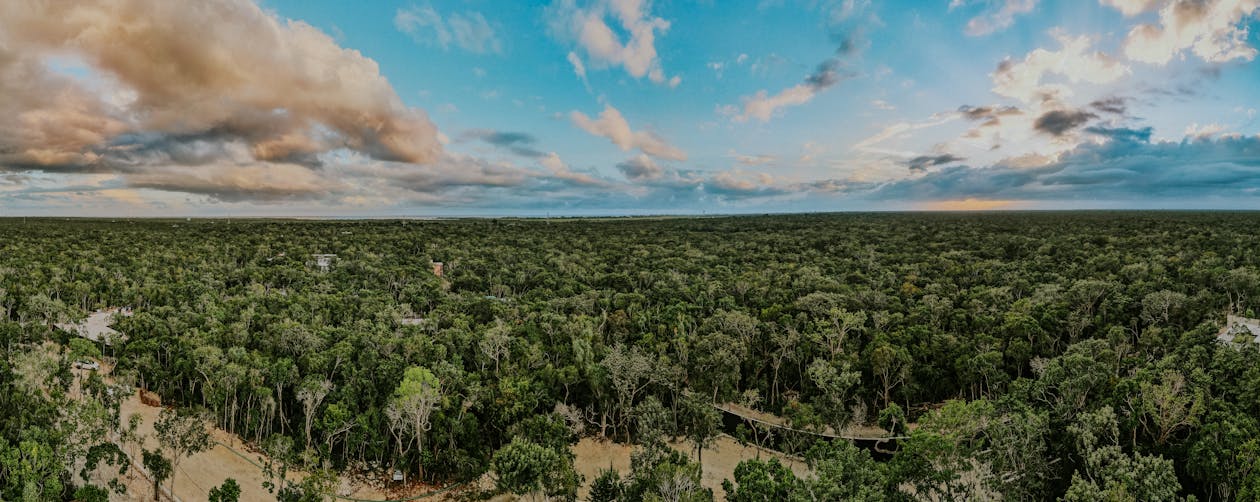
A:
[1236,327]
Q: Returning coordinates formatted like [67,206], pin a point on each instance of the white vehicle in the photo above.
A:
[87,365]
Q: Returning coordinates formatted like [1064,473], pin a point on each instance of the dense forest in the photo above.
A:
[1019,356]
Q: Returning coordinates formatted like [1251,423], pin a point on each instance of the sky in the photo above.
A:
[625,107]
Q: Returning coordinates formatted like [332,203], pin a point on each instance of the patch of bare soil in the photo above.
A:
[718,462]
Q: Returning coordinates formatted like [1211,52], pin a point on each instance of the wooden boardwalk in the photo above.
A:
[780,423]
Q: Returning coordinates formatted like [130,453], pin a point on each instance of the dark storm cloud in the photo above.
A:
[640,168]
[987,113]
[519,143]
[922,162]
[1114,105]
[1060,122]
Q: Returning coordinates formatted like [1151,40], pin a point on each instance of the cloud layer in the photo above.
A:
[217,93]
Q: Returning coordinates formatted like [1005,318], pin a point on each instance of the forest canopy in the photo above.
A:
[1023,356]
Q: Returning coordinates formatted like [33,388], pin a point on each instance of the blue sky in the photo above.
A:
[479,107]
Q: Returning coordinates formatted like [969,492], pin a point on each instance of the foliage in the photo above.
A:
[229,491]
[526,468]
[988,339]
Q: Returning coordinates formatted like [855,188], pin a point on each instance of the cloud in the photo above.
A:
[739,184]
[1114,105]
[988,115]
[898,129]
[1206,131]
[579,69]
[1214,30]
[519,143]
[588,27]
[922,162]
[754,160]
[559,170]
[467,30]
[1022,80]
[1132,7]
[1126,166]
[235,183]
[226,86]
[612,125]
[1142,135]
[996,17]
[640,167]
[1060,122]
[762,106]
[882,105]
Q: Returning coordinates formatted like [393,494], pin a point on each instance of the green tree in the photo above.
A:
[893,419]
[607,486]
[30,470]
[417,396]
[525,468]
[229,491]
[159,468]
[761,481]
[701,422]
[182,435]
[1109,473]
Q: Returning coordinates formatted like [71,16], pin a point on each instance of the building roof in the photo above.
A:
[96,326]
[1235,326]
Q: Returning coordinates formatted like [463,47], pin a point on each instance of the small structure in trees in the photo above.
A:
[1239,329]
[323,261]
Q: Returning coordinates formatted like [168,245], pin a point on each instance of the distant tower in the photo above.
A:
[437,268]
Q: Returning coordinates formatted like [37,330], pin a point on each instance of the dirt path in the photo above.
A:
[718,462]
[198,473]
[230,458]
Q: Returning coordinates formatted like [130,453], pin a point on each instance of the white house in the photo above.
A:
[1236,326]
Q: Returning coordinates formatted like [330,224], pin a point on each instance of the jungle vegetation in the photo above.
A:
[1023,356]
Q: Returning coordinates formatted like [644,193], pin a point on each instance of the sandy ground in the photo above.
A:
[719,461]
[196,475]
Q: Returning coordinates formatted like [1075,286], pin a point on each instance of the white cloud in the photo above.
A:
[467,30]
[1205,131]
[882,105]
[612,125]
[1214,31]
[899,129]
[162,84]
[589,28]
[752,160]
[1132,7]
[994,20]
[1022,80]
[579,69]
[762,106]
[561,171]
